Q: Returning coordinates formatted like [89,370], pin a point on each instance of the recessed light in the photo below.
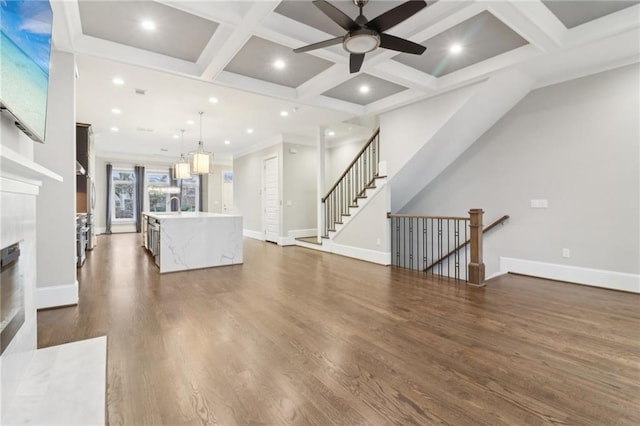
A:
[114,129]
[117,81]
[176,136]
[213,100]
[115,111]
[284,113]
[364,89]
[227,142]
[148,25]
[331,133]
[455,48]
[249,131]
[279,64]
[190,122]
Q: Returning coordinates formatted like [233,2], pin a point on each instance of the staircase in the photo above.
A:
[356,185]
[360,181]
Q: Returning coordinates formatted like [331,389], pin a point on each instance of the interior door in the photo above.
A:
[227,191]
[271,200]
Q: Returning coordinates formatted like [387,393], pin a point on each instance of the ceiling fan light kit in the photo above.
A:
[361,41]
[363,35]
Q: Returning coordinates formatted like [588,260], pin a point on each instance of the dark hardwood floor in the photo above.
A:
[299,336]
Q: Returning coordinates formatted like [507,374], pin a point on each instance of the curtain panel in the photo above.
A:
[109,196]
[139,172]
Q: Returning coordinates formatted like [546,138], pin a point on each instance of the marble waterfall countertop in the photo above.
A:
[193,240]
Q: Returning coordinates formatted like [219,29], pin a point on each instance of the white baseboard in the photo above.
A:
[101,230]
[290,240]
[256,235]
[286,241]
[302,233]
[379,257]
[59,295]
[574,274]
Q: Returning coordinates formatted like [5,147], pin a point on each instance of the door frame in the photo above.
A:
[263,197]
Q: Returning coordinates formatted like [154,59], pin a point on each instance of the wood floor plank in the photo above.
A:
[296,336]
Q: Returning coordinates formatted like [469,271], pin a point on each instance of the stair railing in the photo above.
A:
[441,245]
[352,184]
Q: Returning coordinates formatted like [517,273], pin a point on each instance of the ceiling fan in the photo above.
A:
[363,35]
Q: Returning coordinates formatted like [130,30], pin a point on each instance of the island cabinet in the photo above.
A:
[192,240]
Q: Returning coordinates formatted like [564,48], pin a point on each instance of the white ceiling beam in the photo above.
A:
[218,58]
[533,21]
[89,46]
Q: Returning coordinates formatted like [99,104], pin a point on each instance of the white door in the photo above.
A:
[227,191]
[271,200]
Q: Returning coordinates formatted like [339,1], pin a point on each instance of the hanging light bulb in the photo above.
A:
[201,160]
[182,167]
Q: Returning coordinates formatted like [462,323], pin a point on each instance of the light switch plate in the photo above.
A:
[539,204]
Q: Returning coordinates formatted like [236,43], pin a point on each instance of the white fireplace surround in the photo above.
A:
[20,182]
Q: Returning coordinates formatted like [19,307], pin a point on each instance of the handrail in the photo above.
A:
[390,215]
[485,230]
[355,159]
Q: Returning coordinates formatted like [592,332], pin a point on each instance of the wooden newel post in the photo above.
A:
[475,274]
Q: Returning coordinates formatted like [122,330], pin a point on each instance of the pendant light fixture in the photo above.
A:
[182,167]
[201,160]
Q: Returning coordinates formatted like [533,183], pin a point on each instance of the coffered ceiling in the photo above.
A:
[241,53]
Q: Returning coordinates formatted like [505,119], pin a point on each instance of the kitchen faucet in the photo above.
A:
[179,204]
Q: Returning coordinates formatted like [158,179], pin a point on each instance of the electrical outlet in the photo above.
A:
[377,241]
[566,252]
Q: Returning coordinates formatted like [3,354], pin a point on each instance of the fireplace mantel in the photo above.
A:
[18,167]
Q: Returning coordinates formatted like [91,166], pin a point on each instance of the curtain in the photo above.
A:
[109,201]
[200,180]
[139,172]
[174,183]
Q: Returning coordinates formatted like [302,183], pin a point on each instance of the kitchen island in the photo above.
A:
[179,241]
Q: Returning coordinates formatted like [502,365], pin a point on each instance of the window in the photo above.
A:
[124,191]
[189,194]
[157,184]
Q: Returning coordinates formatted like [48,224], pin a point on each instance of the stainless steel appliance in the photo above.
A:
[81,238]
[154,239]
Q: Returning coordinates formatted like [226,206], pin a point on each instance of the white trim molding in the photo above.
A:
[290,240]
[256,235]
[55,296]
[573,274]
[379,257]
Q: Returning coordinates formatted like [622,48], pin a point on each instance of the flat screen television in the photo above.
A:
[25,50]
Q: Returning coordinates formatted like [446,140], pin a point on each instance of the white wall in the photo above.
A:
[212,185]
[247,186]
[338,158]
[56,205]
[299,193]
[575,144]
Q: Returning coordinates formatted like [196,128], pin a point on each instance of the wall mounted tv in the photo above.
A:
[25,49]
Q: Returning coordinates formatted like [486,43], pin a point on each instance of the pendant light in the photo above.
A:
[182,167]
[201,160]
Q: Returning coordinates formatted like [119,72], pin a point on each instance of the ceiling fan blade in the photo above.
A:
[401,45]
[396,15]
[336,15]
[355,62]
[319,45]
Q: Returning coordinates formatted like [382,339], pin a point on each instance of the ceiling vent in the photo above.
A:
[141,92]
[145,129]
